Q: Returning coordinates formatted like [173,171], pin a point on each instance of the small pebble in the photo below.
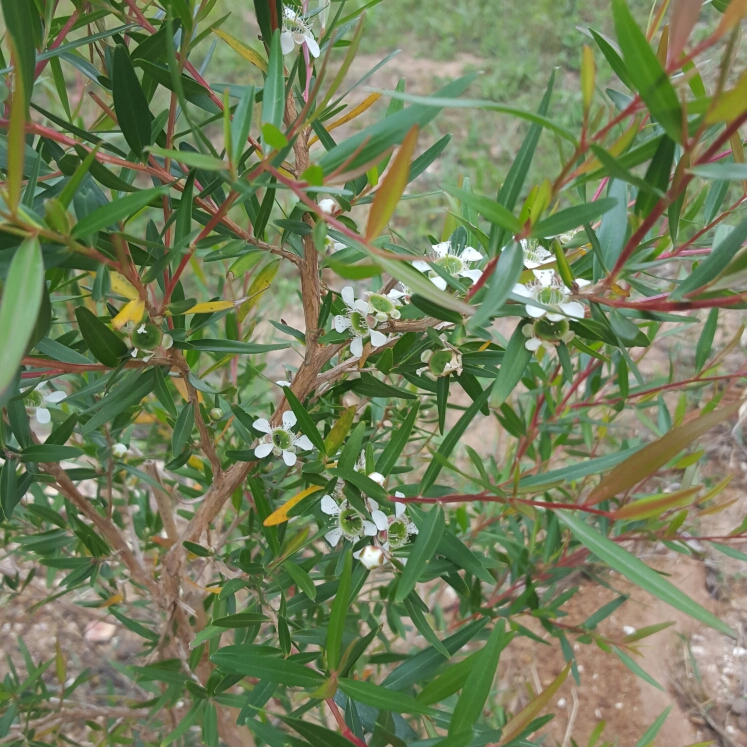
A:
[628,629]
[619,706]
[562,703]
[739,651]
[598,714]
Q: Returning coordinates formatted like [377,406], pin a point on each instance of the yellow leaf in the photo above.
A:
[132,311]
[246,52]
[281,515]
[655,505]
[115,599]
[122,286]
[392,186]
[731,104]
[535,706]
[588,74]
[145,418]
[655,455]
[59,663]
[367,103]
[262,281]
[181,387]
[210,306]
[195,462]
[339,430]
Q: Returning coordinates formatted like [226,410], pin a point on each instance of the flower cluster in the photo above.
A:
[280,440]
[363,317]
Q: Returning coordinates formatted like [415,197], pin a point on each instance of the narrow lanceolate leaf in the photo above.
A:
[337,616]
[427,540]
[635,570]
[273,97]
[260,285]
[535,706]
[20,21]
[504,277]
[479,683]
[113,212]
[247,53]
[280,516]
[715,262]
[515,362]
[19,306]
[392,186]
[382,698]
[573,217]
[656,454]
[340,430]
[491,210]
[305,423]
[185,421]
[106,347]
[130,102]
[646,72]
[190,158]
[247,661]
[399,439]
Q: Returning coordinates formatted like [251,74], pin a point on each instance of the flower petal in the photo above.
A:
[356,347]
[329,506]
[55,397]
[581,283]
[532,344]
[341,323]
[334,536]
[286,42]
[377,338]
[521,290]
[473,275]
[535,311]
[380,519]
[262,425]
[439,282]
[470,255]
[348,296]
[442,249]
[289,419]
[545,277]
[263,450]
[573,309]
[422,266]
[302,442]
[313,46]
[369,529]
[362,306]
[42,415]
[289,458]
[399,508]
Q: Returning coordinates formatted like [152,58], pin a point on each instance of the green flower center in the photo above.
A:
[358,323]
[439,361]
[34,399]
[547,330]
[381,303]
[397,533]
[453,265]
[282,439]
[147,337]
[551,296]
[351,522]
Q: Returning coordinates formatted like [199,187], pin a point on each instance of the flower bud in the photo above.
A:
[371,557]
[216,414]
[377,477]
[119,451]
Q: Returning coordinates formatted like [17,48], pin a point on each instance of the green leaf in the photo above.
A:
[421,624]
[491,210]
[449,682]
[315,735]
[190,158]
[130,103]
[723,171]
[273,96]
[305,423]
[515,361]
[163,394]
[705,341]
[434,310]
[9,493]
[399,439]
[49,453]
[646,73]
[636,668]
[452,439]
[19,307]
[246,660]
[614,59]
[336,624]
[230,346]
[113,212]
[505,275]
[714,263]
[573,217]
[242,121]
[423,549]
[21,20]
[657,176]
[183,428]
[301,579]
[382,698]
[650,734]
[106,346]
[635,570]
[479,682]
[517,174]
[239,620]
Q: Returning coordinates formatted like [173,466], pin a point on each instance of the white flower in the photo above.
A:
[283,383]
[146,339]
[456,265]
[377,477]
[548,289]
[441,362]
[296,31]
[400,294]
[546,334]
[350,523]
[383,307]
[332,245]
[360,321]
[535,254]
[327,205]
[37,401]
[280,440]
[400,527]
[119,451]
[370,556]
